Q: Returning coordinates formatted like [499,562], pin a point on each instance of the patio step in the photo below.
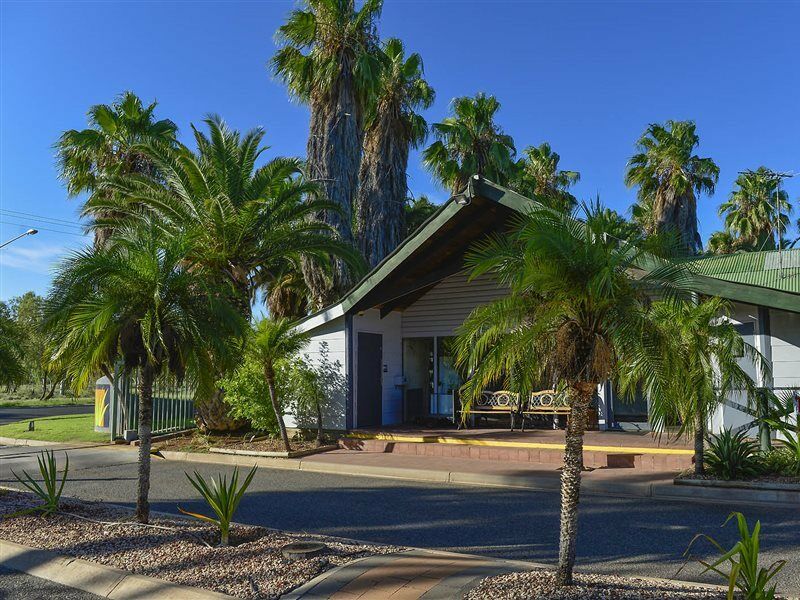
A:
[606,457]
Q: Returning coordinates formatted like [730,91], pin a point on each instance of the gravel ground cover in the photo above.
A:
[270,445]
[538,585]
[179,550]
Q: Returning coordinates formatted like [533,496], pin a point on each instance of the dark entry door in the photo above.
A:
[369,387]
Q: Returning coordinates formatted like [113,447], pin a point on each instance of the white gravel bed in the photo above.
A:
[252,567]
[538,585]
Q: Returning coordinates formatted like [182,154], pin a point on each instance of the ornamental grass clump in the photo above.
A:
[49,491]
[732,455]
[752,581]
[222,496]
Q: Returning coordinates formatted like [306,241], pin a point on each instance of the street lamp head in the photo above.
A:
[32,232]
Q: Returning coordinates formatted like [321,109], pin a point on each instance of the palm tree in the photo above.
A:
[417,210]
[106,147]
[393,127]
[470,143]
[670,177]
[701,361]
[574,316]
[538,176]
[138,299]
[327,60]
[724,242]
[751,210]
[287,297]
[272,342]
[246,224]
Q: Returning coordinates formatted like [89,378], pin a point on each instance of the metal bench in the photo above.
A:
[545,402]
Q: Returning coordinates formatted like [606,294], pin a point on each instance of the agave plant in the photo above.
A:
[732,455]
[745,575]
[50,489]
[222,496]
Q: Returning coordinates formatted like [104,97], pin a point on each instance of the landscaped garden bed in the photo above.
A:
[539,585]
[175,549]
[244,444]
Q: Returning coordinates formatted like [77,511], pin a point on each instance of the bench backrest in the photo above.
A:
[505,400]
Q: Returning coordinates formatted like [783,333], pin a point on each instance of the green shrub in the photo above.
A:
[247,394]
[744,574]
[50,489]
[732,456]
[222,496]
[782,462]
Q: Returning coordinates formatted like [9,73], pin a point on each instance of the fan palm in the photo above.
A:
[751,210]
[108,146]
[274,341]
[538,176]
[574,316]
[393,126]
[417,210]
[469,143]
[246,224]
[139,299]
[702,358]
[670,177]
[327,60]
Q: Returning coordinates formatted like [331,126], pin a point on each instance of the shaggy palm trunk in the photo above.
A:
[380,213]
[699,437]
[269,375]
[580,397]
[212,413]
[334,156]
[146,377]
[673,211]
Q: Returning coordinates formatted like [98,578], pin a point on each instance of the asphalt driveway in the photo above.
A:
[10,415]
[630,536]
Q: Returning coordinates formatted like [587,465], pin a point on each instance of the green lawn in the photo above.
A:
[67,428]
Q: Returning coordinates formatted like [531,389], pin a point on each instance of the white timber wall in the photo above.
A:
[440,311]
[328,337]
[392,363]
[779,343]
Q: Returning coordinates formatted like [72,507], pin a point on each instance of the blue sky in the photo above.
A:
[587,77]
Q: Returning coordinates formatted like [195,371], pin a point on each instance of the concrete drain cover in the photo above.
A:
[299,550]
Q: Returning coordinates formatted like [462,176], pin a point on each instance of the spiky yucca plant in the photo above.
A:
[50,489]
[223,496]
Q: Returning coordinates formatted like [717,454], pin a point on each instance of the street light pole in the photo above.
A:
[21,235]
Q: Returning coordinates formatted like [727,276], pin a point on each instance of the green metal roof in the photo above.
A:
[762,269]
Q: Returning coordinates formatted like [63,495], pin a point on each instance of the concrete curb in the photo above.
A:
[266,454]
[21,442]
[101,580]
[658,491]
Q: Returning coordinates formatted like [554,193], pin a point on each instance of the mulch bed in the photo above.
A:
[538,585]
[252,567]
[200,442]
[759,479]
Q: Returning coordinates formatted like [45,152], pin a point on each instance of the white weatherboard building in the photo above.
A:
[388,337]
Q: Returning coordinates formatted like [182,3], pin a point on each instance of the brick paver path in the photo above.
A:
[411,575]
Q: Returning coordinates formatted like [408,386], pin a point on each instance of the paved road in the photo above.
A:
[634,536]
[18,586]
[10,415]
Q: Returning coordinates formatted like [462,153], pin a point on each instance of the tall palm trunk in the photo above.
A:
[334,157]
[146,377]
[699,437]
[269,375]
[212,413]
[580,397]
[380,214]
